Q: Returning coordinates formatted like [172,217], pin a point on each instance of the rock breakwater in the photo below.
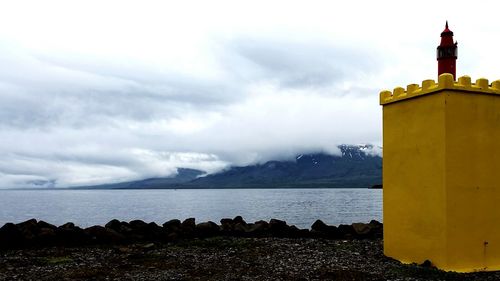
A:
[33,233]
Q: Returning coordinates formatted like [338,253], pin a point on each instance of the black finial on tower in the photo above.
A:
[446,23]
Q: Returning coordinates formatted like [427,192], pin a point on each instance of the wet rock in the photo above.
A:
[367,230]
[189,223]
[67,225]
[361,230]
[114,225]
[188,227]
[293,231]
[172,236]
[376,223]
[102,235]
[29,229]
[240,229]
[227,226]
[125,228]
[70,235]
[42,224]
[46,236]
[171,230]
[39,233]
[138,226]
[239,219]
[121,227]
[207,229]
[172,225]
[279,228]
[30,224]
[346,231]
[304,233]
[319,226]
[321,229]
[155,232]
[10,236]
[138,230]
[377,229]
[259,229]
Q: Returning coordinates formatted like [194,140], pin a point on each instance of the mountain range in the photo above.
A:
[358,166]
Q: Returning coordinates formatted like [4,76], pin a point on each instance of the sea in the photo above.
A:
[299,207]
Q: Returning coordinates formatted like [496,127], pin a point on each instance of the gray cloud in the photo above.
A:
[70,120]
[300,64]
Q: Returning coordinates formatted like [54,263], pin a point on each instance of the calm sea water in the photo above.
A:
[300,207]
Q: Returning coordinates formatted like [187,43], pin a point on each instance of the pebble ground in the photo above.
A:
[222,258]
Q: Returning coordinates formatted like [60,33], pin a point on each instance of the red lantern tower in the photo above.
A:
[447,53]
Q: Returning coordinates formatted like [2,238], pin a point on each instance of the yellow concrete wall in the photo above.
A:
[413,180]
[441,173]
[473,181]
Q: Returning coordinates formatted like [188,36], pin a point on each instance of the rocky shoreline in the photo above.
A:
[231,250]
[33,233]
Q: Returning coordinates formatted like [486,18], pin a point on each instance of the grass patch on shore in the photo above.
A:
[55,260]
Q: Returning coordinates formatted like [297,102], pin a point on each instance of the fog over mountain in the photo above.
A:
[94,92]
[357,166]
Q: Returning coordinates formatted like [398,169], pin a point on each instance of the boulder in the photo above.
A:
[188,227]
[321,229]
[320,226]
[258,229]
[46,237]
[279,228]
[377,229]
[30,224]
[125,228]
[139,227]
[239,219]
[172,225]
[29,229]
[261,224]
[361,230]
[10,236]
[207,229]
[138,230]
[346,231]
[155,232]
[114,225]
[240,229]
[227,226]
[171,236]
[304,233]
[70,235]
[102,235]
[295,232]
[121,227]
[42,224]
[67,225]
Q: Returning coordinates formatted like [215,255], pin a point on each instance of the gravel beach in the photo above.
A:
[221,258]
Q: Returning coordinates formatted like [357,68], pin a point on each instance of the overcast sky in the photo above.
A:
[105,91]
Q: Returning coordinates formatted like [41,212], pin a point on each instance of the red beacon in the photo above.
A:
[447,53]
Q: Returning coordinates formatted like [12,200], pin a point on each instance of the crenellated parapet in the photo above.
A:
[445,82]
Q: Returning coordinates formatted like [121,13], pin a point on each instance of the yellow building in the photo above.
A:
[441,173]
